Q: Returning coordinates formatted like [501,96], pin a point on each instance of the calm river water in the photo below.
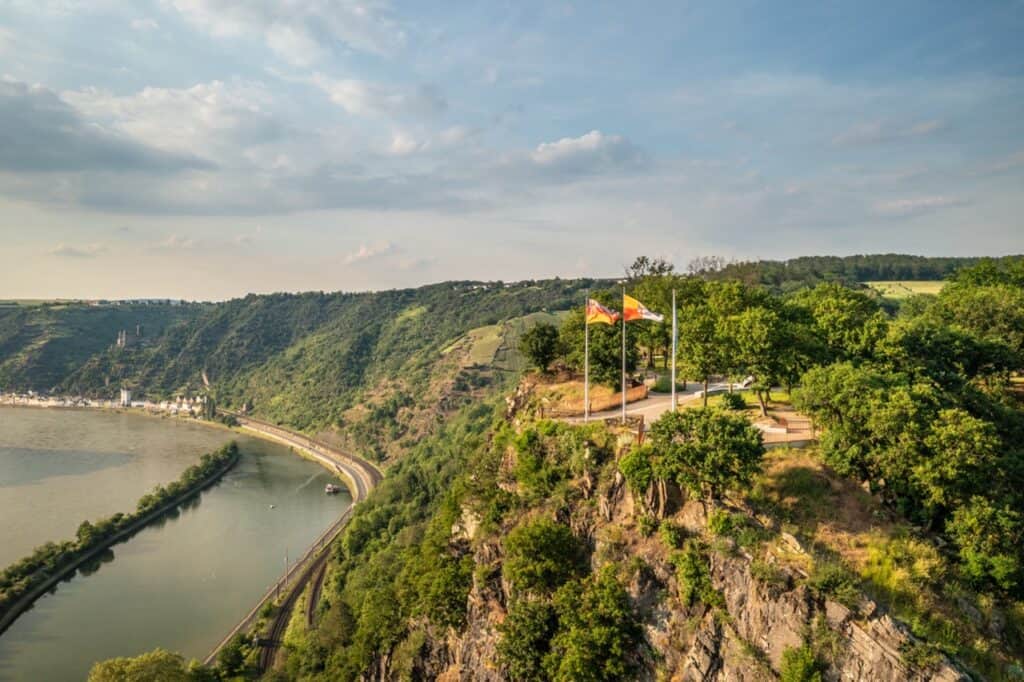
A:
[181,584]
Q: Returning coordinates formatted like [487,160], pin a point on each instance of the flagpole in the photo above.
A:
[623,354]
[675,342]
[586,360]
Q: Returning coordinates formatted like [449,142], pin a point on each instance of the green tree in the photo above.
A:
[994,313]
[848,322]
[706,451]
[760,344]
[526,639]
[540,345]
[598,632]
[155,665]
[700,348]
[990,538]
[541,555]
[605,345]
[963,452]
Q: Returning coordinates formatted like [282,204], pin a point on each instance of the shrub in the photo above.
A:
[733,401]
[672,535]
[598,632]
[800,665]
[694,576]
[526,639]
[647,524]
[830,579]
[541,555]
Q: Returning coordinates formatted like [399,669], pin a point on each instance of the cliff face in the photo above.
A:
[743,637]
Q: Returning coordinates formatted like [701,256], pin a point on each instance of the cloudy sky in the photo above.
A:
[208,148]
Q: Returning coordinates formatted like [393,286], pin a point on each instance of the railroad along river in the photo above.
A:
[181,583]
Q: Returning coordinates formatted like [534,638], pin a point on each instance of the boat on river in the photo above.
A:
[332,489]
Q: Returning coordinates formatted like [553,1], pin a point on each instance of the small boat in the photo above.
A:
[332,489]
[271,506]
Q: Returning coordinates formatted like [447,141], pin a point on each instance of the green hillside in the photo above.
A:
[367,368]
[43,343]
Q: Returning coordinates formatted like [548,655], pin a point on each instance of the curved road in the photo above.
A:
[361,477]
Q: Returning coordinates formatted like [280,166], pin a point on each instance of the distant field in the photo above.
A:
[498,344]
[906,288]
[29,302]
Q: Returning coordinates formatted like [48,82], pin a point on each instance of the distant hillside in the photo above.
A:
[366,368]
[797,273]
[41,344]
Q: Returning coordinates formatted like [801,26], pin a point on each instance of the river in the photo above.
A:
[180,584]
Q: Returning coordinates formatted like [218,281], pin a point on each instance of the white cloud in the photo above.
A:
[592,151]
[176,242]
[369,252]
[905,208]
[874,132]
[365,98]
[68,251]
[208,119]
[145,24]
[299,31]
[405,143]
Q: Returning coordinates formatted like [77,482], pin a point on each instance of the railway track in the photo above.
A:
[362,477]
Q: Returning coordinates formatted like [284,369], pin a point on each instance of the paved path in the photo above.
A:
[791,427]
[656,404]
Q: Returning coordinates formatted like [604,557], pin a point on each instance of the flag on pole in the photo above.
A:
[633,309]
[598,314]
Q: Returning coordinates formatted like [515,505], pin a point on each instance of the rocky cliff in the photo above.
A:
[762,613]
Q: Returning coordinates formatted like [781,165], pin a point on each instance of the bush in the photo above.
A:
[694,576]
[647,524]
[541,555]
[830,579]
[598,632]
[733,401]
[526,639]
[800,665]
[672,535]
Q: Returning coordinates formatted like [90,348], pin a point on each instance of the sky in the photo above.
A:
[204,149]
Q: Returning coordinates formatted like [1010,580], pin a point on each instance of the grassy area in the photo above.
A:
[891,561]
[497,345]
[906,288]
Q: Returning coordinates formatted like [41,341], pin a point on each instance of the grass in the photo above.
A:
[497,345]
[779,398]
[411,313]
[906,288]
[856,542]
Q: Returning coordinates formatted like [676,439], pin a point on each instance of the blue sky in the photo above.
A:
[208,148]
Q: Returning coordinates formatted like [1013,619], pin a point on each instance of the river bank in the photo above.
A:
[21,603]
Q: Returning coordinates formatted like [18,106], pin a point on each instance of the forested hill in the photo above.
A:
[797,273]
[313,361]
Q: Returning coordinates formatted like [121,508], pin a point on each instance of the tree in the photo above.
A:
[526,639]
[848,322]
[990,537]
[598,633]
[155,665]
[541,555]
[706,451]
[963,451]
[605,345]
[699,347]
[760,343]
[540,345]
